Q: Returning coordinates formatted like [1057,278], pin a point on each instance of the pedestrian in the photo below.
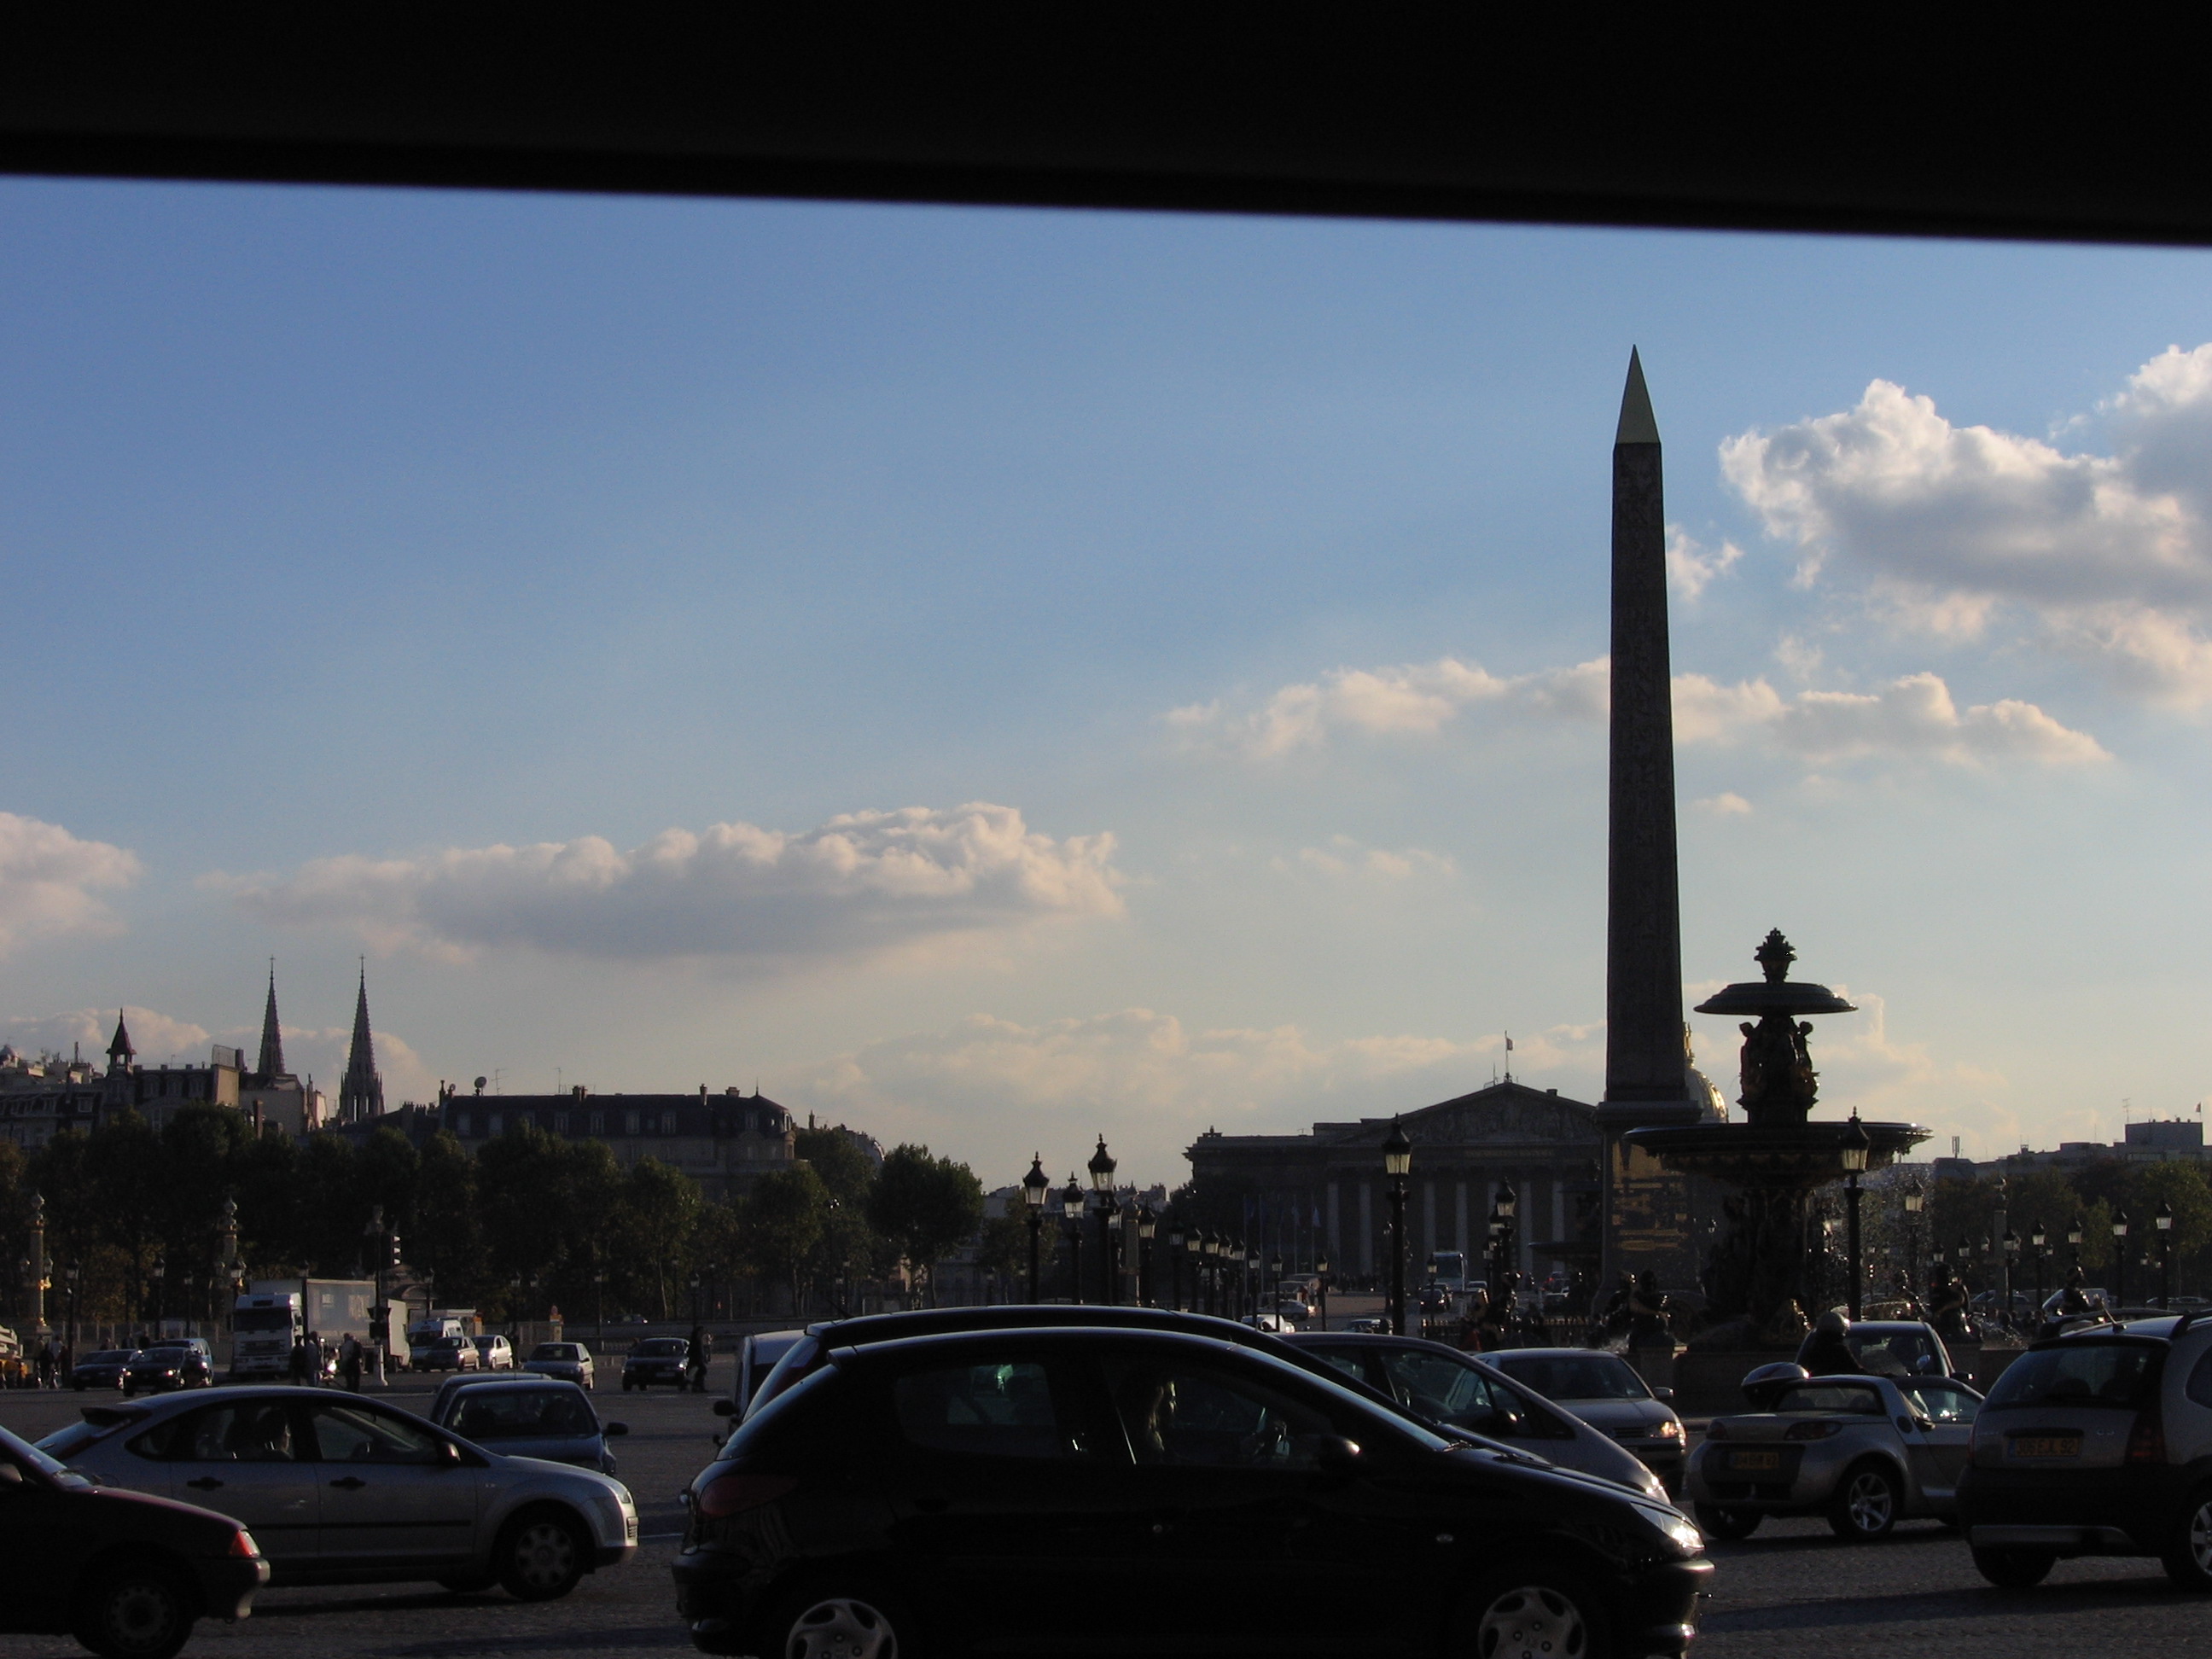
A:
[350,1361]
[298,1361]
[695,1361]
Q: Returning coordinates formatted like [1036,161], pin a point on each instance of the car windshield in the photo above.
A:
[262,1318]
[1894,1353]
[662,1348]
[2077,1373]
[1829,1400]
[555,1351]
[522,1414]
[1575,1376]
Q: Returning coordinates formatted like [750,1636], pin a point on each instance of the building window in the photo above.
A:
[668,1123]
[599,1123]
[493,1126]
[629,1123]
[462,1125]
[560,1124]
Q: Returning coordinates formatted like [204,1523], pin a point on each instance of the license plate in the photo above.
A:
[2045,1445]
[1754,1460]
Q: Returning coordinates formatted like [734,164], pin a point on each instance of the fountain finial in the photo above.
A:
[1775,954]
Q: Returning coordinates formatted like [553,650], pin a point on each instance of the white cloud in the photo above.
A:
[156,1037]
[1411,700]
[1911,718]
[862,884]
[1692,566]
[1955,528]
[48,878]
[1347,857]
[320,1051]
[1726,805]
[997,1089]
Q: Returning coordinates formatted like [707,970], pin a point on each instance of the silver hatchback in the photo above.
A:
[339,1489]
[1864,1451]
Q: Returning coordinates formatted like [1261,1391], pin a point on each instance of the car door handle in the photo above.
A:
[205,1483]
[351,1483]
[933,1504]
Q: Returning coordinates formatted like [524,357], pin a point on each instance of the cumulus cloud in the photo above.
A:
[1344,856]
[1411,700]
[1953,527]
[1914,717]
[49,879]
[156,1037]
[1726,805]
[997,1089]
[1692,566]
[864,882]
[320,1051]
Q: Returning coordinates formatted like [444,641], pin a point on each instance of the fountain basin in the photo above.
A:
[1773,1156]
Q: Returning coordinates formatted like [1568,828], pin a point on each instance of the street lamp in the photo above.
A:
[695,1299]
[1174,1268]
[2120,1257]
[1275,1279]
[1071,1215]
[1321,1277]
[2011,1255]
[1508,1206]
[1852,1151]
[1207,1247]
[1035,1185]
[1914,1199]
[72,1273]
[1102,1182]
[2074,1238]
[1397,1162]
[2165,1223]
[1147,1224]
[599,1294]
[2037,1238]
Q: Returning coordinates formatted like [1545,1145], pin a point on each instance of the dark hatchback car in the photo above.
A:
[656,1359]
[970,1490]
[127,1575]
[157,1369]
[104,1370]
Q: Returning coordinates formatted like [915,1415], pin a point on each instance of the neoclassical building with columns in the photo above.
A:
[1324,1193]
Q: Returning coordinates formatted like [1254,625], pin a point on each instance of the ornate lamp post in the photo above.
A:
[1275,1280]
[2164,1220]
[2074,1239]
[1397,1163]
[2011,1255]
[695,1299]
[1071,1215]
[40,1277]
[1147,1224]
[2120,1257]
[1174,1268]
[1205,1246]
[1851,1152]
[1914,1199]
[1102,1182]
[2037,1238]
[73,1276]
[1321,1277]
[1509,1255]
[1965,1254]
[599,1297]
[1035,1185]
[158,1283]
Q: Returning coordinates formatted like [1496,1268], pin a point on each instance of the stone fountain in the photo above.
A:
[1762,1276]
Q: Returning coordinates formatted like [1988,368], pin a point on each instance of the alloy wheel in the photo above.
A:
[545,1555]
[1870,1502]
[2200,1537]
[842,1627]
[1532,1622]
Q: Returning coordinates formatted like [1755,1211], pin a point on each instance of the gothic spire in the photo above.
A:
[361,1094]
[272,1034]
[119,1051]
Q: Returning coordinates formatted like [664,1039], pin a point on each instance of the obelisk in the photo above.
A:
[1645,1068]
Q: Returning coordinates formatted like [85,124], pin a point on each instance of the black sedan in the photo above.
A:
[126,1574]
[656,1359]
[968,1491]
[157,1369]
[104,1370]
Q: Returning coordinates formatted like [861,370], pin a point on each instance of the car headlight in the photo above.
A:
[1670,1429]
[1674,1527]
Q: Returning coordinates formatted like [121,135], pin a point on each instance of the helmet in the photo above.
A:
[1833,1323]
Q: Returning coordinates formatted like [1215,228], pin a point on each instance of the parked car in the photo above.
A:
[169,1366]
[531,1417]
[337,1488]
[2097,1443]
[655,1359]
[1367,1326]
[127,1575]
[1604,1391]
[1445,1386]
[495,1353]
[446,1353]
[756,1357]
[571,1361]
[104,1370]
[1292,1311]
[972,1489]
[1274,1324]
[1892,1347]
[1864,1451]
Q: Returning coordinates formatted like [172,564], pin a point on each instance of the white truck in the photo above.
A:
[275,1313]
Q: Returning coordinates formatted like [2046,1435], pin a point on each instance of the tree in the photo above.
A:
[926,1206]
[1003,1247]
[445,1241]
[849,1247]
[780,1224]
[659,1208]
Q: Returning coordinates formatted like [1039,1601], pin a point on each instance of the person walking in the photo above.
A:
[298,1361]
[695,1355]
[349,1361]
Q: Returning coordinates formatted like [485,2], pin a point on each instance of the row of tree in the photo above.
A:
[531,1221]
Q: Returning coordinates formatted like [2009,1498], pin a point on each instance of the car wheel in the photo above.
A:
[541,1555]
[2188,1558]
[1717,1523]
[1866,1503]
[832,1624]
[1531,1610]
[135,1612]
[2014,1570]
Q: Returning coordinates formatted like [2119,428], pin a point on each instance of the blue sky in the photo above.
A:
[1237,572]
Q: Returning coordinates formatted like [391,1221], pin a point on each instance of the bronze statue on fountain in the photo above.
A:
[1761,1275]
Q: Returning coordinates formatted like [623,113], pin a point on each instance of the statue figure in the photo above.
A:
[1778,1078]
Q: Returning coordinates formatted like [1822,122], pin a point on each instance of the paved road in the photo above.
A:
[1791,1590]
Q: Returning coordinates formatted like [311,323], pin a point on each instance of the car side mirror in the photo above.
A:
[449,1455]
[725,1408]
[610,1429]
[1923,1424]
[1337,1455]
[1664,1396]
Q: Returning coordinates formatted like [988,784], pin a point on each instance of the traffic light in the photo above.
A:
[392,1250]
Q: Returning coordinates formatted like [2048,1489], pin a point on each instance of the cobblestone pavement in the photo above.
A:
[1793,1589]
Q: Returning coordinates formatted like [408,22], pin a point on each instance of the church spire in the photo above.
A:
[120,1054]
[272,1034]
[361,1094]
